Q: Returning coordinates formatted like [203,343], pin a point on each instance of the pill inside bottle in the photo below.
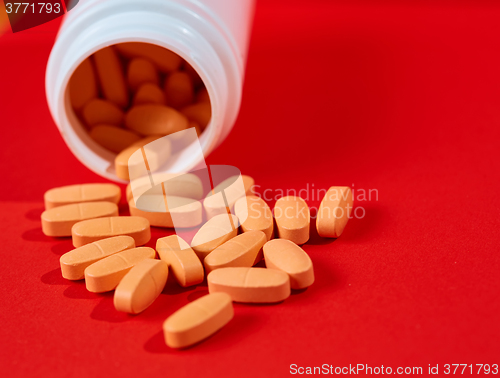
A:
[116,77]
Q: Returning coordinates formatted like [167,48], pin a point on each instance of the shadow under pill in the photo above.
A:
[314,238]
[36,234]
[197,294]
[362,229]
[54,277]
[77,290]
[62,247]
[34,214]
[105,310]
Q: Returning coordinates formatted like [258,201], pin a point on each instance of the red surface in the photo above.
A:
[399,97]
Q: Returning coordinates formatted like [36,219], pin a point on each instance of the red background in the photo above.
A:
[401,97]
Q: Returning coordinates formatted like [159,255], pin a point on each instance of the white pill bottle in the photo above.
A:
[211,35]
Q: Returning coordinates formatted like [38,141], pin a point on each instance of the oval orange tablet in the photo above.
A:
[106,274]
[177,212]
[82,85]
[149,94]
[256,213]
[141,71]
[139,288]
[102,112]
[154,159]
[91,230]
[165,60]
[176,184]
[154,119]
[233,188]
[73,263]
[181,258]
[179,89]
[66,195]
[292,219]
[59,220]
[334,211]
[200,113]
[250,285]
[111,77]
[198,320]
[287,256]
[213,233]
[113,138]
[244,250]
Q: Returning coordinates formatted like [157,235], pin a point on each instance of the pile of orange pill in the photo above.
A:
[109,253]
[130,94]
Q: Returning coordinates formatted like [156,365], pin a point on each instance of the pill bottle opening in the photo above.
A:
[107,85]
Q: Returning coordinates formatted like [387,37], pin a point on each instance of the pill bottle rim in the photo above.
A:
[96,27]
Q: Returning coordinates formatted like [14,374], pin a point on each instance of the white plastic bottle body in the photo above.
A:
[211,35]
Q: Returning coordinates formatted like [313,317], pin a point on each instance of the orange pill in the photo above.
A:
[287,256]
[66,195]
[102,112]
[169,211]
[244,250]
[73,263]
[195,78]
[113,138]
[106,274]
[141,71]
[198,320]
[256,214]
[202,95]
[91,230]
[250,285]
[176,184]
[165,60]
[213,233]
[82,85]
[58,221]
[149,94]
[179,89]
[155,157]
[200,113]
[139,288]
[334,211]
[154,119]
[292,219]
[111,77]
[181,258]
[233,189]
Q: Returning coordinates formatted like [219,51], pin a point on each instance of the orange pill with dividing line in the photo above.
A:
[66,195]
[334,211]
[74,262]
[104,275]
[198,320]
[287,256]
[250,285]
[155,157]
[154,119]
[244,250]
[200,113]
[141,71]
[139,288]
[114,139]
[91,230]
[292,219]
[213,233]
[102,112]
[149,94]
[58,221]
[256,214]
[111,77]
[82,85]
[165,60]
[181,259]
[233,188]
[179,89]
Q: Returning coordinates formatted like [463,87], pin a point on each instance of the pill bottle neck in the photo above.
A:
[188,30]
